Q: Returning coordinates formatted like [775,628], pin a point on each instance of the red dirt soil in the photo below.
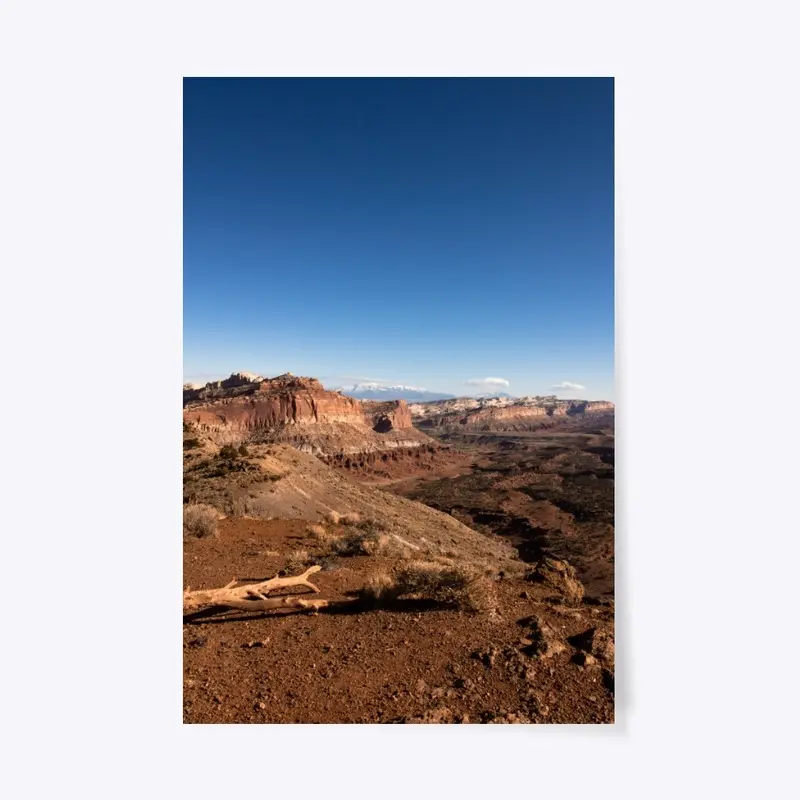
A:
[407,663]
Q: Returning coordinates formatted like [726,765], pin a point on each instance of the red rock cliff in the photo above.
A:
[238,404]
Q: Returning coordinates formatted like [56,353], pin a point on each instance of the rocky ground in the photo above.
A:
[546,491]
[468,579]
[535,658]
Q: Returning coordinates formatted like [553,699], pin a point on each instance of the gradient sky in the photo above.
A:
[419,231]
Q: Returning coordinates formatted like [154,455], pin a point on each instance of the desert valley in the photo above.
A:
[351,560]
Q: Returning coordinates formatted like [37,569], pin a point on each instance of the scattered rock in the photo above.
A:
[435,716]
[598,643]
[560,577]
[262,643]
[505,718]
[584,659]
[545,641]
[488,656]
[200,641]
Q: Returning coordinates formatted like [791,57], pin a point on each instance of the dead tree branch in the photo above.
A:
[253,597]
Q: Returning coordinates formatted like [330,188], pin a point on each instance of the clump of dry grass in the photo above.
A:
[380,588]
[351,518]
[199,520]
[297,561]
[319,533]
[367,538]
[453,585]
[333,517]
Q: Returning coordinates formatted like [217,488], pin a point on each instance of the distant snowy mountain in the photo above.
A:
[379,391]
[485,395]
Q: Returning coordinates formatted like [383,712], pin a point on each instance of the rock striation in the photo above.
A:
[506,413]
[301,412]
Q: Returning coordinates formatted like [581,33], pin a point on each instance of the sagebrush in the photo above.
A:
[200,520]
[458,586]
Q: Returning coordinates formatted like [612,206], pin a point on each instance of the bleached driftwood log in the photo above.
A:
[253,596]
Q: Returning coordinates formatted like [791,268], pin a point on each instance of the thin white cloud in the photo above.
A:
[487,382]
[569,386]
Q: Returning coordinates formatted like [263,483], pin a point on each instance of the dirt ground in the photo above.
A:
[408,663]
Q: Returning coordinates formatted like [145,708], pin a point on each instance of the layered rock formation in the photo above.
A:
[300,412]
[506,413]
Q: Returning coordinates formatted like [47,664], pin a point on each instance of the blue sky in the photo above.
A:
[420,231]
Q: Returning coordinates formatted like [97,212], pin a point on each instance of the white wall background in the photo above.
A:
[707,213]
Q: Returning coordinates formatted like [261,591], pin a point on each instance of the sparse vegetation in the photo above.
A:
[368,538]
[228,451]
[459,586]
[243,451]
[319,533]
[351,518]
[297,560]
[199,520]
[333,517]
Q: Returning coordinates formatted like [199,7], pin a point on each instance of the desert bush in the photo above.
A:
[458,586]
[319,533]
[351,518]
[243,451]
[297,561]
[199,520]
[190,444]
[369,540]
[333,517]
[228,451]
[381,588]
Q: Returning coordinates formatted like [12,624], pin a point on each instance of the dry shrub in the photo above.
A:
[380,588]
[369,540]
[333,517]
[320,534]
[297,561]
[351,518]
[458,586]
[200,520]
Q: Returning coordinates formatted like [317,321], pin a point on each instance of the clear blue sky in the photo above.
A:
[418,231]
